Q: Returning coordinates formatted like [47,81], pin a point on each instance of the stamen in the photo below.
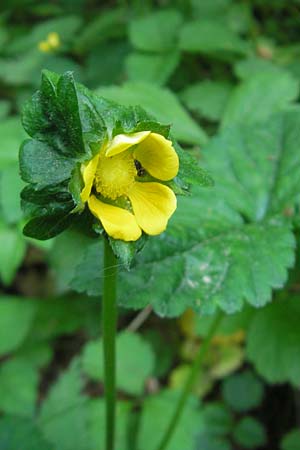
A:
[115,175]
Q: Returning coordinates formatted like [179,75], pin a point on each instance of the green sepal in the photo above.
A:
[126,251]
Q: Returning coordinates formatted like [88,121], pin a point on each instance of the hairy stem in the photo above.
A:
[109,324]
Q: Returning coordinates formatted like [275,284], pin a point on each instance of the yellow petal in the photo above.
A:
[122,142]
[53,40]
[117,222]
[157,155]
[88,174]
[153,204]
[44,47]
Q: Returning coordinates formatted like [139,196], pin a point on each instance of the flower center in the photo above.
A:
[115,175]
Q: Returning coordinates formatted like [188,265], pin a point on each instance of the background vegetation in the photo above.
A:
[226,75]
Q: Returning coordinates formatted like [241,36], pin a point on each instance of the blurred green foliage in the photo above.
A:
[225,74]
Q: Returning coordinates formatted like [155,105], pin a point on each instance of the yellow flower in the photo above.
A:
[51,43]
[117,172]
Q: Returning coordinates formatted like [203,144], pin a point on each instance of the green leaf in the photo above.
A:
[210,36]
[49,225]
[65,410]
[152,68]
[250,433]
[276,88]
[155,32]
[18,387]
[110,54]
[17,432]
[156,415]
[69,109]
[273,341]
[57,316]
[13,247]
[243,391]
[37,354]
[252,66]
[135,362]
[65,256]
[16,316]
[10,188]
[291,441]
[109,24]
[207,98]
[208,442]
[217,419]
[256,166]
[4,107]
[12,134]
[162,104]
[97,429]
[41,165]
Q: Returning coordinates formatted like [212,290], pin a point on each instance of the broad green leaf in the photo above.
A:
[243,391]
[164,352]
[291,441]
[50,208]
[207,98]
[97,429]
[256,166]
[56,316]
[10,188]
[68,107]
[16,316]
[65,410]
[258,97]
[210,36]
[162,104]
[135,362]
[217,419]
[273,341]
[65,256]
[208,8]
[252,66]
[13,247]
[109,24]
[19,433]
[110,54]
[41,165]
[151,68]
[18,387]
[12,134]
[156,415]
[4,108]
[210,442]
[250,433]
[156,32]
[37,354]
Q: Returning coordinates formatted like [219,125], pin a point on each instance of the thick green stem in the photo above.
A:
[189,384]
[109,324]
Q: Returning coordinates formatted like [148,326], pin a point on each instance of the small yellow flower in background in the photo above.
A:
[117,172]
[51,43]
